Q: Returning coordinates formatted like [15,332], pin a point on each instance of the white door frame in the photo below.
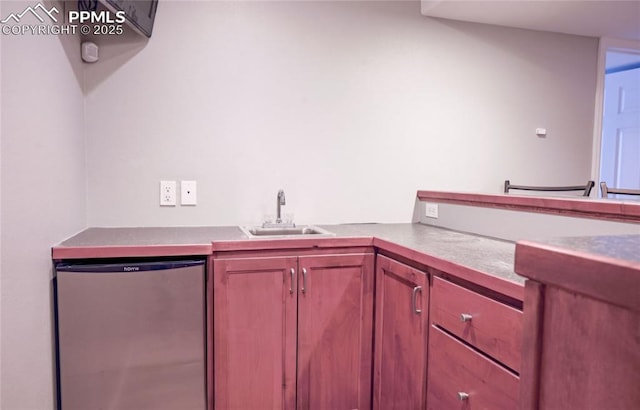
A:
[605,44]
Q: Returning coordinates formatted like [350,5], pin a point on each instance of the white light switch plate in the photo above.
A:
[188,193]
[431,210]
[167,193]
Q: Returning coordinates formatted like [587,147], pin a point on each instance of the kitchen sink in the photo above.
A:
[284,232]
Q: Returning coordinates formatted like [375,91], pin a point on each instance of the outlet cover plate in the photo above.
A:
[431,210]
[167,193]
[188,193]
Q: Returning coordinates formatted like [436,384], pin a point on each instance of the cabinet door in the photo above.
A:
[401,336]
[335,331]
[254,333]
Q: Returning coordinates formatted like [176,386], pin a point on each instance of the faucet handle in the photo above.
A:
[288,219]
[267,219]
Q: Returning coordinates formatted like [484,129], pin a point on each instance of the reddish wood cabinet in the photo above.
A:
[581,345]
[582,353]
[474,350]
[461,378]
[254,333]
[488,325]
[293,332]
[400,361]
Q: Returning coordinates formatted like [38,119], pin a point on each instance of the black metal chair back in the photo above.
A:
[608,190]
[586,189]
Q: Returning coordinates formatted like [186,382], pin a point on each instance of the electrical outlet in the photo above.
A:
[167,193]
[188,193]
[431,210]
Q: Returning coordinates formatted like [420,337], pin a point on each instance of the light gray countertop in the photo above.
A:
[606,267]
[150,236]
[422,243]
[613,247]
[488,255]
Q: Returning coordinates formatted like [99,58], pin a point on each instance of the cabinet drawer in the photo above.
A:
[455,369]
[490,326]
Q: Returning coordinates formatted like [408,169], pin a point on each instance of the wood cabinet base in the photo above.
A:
[293,332]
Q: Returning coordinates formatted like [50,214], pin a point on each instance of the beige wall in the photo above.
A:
[348,106]
[43,184]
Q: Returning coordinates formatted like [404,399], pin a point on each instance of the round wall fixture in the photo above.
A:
[89,52]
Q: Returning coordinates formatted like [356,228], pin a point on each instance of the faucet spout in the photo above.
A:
[281,201]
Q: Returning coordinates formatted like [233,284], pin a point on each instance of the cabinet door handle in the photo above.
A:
[293,275]
[413,299]
[304,280]
[465,317]
[462,396]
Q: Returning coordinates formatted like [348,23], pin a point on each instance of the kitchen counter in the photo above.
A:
[480,253]
[143,242]
[485,261]
[606,268]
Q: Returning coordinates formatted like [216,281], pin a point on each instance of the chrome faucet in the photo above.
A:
[279,223]
[281,201]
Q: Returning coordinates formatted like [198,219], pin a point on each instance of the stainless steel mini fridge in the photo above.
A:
[131,336]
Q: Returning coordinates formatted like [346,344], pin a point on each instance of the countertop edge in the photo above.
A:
[422,257]
[125,251]
[608,279]
[290,243]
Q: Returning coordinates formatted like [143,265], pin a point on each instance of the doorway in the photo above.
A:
[620,139]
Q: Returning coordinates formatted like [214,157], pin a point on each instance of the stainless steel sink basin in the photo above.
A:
[284,232]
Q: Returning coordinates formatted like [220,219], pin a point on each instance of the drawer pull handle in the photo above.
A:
[293,274]
[462,396]
[413,299]
[465,317]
